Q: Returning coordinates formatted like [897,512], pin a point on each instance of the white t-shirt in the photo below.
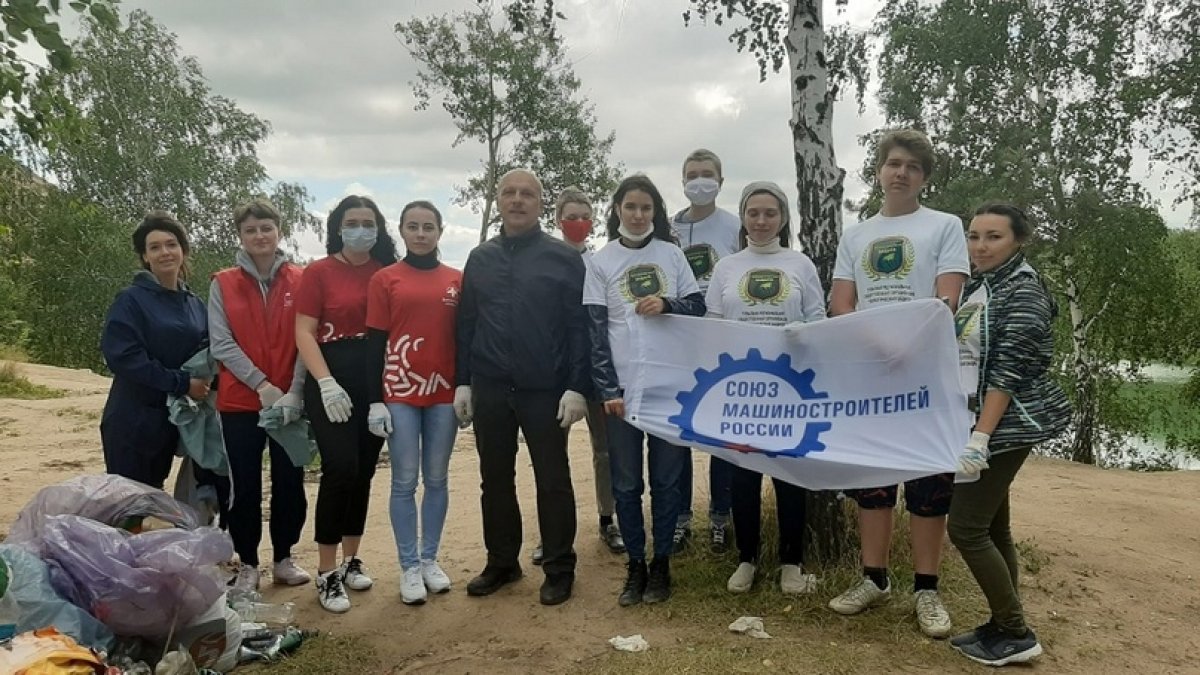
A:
[968,325]
[704,242]
[897,259]
[617,277]
[768,289]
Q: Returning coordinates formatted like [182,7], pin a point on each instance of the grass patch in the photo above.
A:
[13,353]
[807,636]
[326,654]
[15,385]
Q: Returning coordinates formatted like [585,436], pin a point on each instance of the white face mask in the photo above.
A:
[701,191]
[624,232]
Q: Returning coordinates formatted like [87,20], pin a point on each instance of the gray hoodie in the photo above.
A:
[225,349]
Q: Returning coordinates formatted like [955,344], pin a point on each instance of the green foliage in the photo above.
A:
[136,128]
[1031,104]
[15,385]
[516,94]
[22,19]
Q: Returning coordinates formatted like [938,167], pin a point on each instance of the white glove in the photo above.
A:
[268,394]
[792,330]
[292,407]
[974,457]
[572,407]
[379,420]
[335,399]
[464,410]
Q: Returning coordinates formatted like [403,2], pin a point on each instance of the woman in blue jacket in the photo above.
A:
[153,327]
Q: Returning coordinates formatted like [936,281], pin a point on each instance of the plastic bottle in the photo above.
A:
[10,612]
[283,614]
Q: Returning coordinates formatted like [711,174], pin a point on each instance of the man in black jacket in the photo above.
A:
[522,365]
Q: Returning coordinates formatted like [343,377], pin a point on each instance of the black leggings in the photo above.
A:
[747,517]
[349,452]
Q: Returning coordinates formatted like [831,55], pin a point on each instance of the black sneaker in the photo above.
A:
[658,587]
[556,589]
[635,584]
[974,636]
[492,579]
[610,534]
[1001,649]
[719,535]
[681,539]
[538,555]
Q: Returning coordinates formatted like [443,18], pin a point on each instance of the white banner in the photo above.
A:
[868,399]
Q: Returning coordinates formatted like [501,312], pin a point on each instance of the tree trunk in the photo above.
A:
[818,177]
[819,203]
[486,221]
[1083,367]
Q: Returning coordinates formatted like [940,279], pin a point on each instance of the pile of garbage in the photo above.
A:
[104,575]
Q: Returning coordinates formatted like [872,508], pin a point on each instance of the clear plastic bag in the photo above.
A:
[40,606]
[112,500]
[144,585]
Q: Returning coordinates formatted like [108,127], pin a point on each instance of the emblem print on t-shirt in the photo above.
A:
[702,258]
[643,281]
[966,320]
[450,299]
[398,378]
[889,257]
[764,286]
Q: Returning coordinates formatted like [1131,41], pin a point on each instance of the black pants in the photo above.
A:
[747,517]
[139,443]
[244,441]
[349,452]
[500,410]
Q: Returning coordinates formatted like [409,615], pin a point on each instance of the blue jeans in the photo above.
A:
[420,444]
[720,490]
[665,462]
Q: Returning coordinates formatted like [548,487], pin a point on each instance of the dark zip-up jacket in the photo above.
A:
[1016,350]
[521,319]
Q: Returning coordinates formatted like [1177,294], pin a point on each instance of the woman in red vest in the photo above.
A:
[252,319]
[331,334]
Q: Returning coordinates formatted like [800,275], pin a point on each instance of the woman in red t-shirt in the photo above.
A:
[411,310]
[331,331]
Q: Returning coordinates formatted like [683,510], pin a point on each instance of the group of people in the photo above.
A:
[533,336]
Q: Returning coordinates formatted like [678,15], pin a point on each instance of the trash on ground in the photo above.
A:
[29,592]
[48,651]
[750,625]
[633,643]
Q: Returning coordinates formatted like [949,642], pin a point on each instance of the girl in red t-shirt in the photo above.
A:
[411,310]
[331,331]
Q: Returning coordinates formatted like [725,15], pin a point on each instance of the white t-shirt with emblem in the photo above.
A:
[617,277]
[897,259]
[968,327]
[768,289]
[704,242]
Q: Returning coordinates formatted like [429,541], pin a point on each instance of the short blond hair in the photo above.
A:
[571,195]
[258,207]
[702,155]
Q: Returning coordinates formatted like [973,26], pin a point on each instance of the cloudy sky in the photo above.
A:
[333,80]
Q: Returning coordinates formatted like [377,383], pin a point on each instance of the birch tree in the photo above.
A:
[1027,101]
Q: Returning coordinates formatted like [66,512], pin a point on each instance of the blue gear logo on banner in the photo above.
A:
[753,404]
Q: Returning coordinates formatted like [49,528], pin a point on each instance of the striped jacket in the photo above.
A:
[1016,349]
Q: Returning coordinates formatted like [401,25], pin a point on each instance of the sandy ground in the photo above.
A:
[1117,588]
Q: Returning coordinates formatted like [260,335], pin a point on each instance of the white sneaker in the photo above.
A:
[332,593]
[246,583]
[932,616]
[354,575]
[287,573]
[861,596]
[433,576]
[412,587]
[742,578]
[793,580]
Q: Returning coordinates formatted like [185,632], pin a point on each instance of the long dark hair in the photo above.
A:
[1021,228]
[384,249]
[640,183]
[161,221]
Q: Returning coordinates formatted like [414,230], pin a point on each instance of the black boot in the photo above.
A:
[635,584]
[658,588]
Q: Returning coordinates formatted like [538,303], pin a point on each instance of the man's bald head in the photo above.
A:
[519,198]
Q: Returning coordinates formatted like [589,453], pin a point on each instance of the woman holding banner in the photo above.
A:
[768,284]
[1005,345]
[640,272]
